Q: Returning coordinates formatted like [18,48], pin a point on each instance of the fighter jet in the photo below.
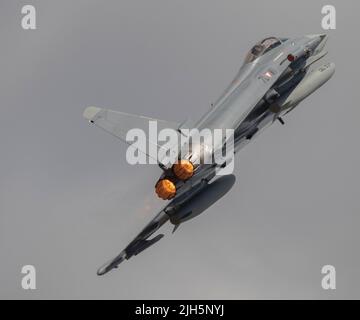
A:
[276,75]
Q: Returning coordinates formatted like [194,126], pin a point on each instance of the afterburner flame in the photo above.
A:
[183,169]
[165,189]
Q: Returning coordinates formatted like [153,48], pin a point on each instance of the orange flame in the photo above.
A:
[165,189]
[183,169]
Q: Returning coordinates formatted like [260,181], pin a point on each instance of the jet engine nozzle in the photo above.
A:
[165,189]
[183,169]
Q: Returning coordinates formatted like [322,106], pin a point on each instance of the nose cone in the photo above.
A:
[317,42]
[314,36]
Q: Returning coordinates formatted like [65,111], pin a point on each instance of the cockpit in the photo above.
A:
[263,47]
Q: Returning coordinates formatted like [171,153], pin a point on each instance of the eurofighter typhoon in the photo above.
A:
[277,74]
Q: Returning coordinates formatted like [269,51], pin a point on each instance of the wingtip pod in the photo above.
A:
[101,271]
[104,269]
[91,112]
[111,264]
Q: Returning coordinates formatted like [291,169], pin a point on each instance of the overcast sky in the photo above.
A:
[69,201]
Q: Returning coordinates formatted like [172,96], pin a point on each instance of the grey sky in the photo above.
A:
[69,201]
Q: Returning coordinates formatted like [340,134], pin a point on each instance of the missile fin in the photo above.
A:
[175,227]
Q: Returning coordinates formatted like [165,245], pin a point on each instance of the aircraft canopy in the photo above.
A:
[261,48]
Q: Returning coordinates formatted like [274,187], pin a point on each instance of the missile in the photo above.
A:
[142,245]
[132,250]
